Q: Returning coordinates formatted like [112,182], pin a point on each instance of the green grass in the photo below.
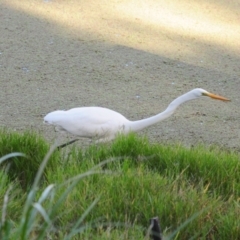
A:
[35,149]
[195,192]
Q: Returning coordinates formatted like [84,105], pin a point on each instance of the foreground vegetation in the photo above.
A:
[110,191]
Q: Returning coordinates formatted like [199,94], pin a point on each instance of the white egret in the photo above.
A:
[104,124]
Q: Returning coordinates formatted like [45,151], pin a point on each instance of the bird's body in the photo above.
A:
[104,124]
[89,122]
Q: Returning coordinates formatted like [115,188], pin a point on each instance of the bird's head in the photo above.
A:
[54,117]
[198,92]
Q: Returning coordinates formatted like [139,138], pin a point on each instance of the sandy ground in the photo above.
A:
[132,56]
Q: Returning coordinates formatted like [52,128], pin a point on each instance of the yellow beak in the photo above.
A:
[214,96]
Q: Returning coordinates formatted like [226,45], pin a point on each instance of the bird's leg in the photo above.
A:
[104,140]
[66,144]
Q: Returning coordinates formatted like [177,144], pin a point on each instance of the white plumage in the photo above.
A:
[103,124]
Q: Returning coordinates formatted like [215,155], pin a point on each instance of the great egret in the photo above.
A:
[104,124]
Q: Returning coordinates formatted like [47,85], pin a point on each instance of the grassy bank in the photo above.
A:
[93,199]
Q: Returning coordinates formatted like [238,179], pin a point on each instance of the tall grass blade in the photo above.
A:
[75,230]
[183,225]
[42,211]
[27,224]
[46,193]
[42,166]
[5,203]
[11,155]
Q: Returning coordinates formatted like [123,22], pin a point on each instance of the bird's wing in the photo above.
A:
[92,121]
[96,115]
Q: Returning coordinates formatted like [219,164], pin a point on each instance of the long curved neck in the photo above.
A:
[144,123]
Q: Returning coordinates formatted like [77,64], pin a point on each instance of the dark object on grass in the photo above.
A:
[66,144]
[155,230]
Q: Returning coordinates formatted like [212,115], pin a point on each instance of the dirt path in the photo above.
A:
[131,56]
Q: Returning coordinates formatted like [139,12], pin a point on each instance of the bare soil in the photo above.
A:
[131,56]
